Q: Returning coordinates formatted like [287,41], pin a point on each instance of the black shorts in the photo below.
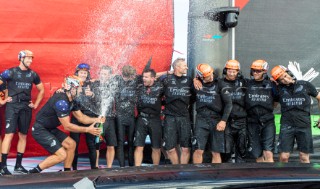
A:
[18,115]
[236,136]
[206,131]
[148,126]
[261,138]
[110,132]
[49,139]
[177,130]
[289,133]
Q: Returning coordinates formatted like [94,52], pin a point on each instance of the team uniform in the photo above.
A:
[212,106]
[177,125]
[45,129]
[235,132]
[125,109]
[19,83]
[87,106]
[260,97]
[148,121]
[105,101]
[295,121]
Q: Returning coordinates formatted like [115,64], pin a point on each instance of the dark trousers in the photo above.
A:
[125,132]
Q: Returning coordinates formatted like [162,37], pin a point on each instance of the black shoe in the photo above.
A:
[5,171]
[20,169]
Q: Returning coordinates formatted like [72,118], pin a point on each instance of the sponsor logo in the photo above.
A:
[53,143]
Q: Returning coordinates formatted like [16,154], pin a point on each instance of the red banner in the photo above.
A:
[64,33]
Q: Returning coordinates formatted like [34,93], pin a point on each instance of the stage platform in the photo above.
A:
[226,175]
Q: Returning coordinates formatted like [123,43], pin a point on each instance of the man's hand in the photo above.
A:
[221,125]
[88,92]
[197,84]
[3,102]
[101,119]
[33,106]
[93,130]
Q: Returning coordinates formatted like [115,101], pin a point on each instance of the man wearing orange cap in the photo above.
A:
[213,109]
[260,97]
[295,101]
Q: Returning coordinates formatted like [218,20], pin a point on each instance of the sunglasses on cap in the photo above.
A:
[256,71]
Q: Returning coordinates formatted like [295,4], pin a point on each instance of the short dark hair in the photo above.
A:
[128,71]
[153,73]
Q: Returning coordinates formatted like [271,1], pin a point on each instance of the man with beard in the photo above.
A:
[236,129]
[260,99]
[177,124]
[104,96]
[213,106]
[55,113]
[19,81]
[148,122]
[295,100]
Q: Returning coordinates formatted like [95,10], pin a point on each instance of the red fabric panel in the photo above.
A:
[63,33]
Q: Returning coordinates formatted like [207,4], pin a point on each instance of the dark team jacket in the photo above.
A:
[104,97]
[295,101]
[212,99]
[237,90]
[85,103]
[58,106]
[260,97]
[19,83]
[126,96]
[150,98]
[177,94]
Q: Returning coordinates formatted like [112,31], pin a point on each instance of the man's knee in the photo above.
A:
[61,154]
[284,157]
[304,158]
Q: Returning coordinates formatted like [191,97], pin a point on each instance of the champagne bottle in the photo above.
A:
[99,138]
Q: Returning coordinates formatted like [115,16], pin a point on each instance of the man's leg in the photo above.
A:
[138,155]
[284,157]
[54,159]
[216,157]
[268,156]
[185,155]
[197,156]
[173,156]
[304,158]
[69,145]
[156,154]
[110,156]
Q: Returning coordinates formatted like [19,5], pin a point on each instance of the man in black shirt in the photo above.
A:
[177,124]
[236,130]
[148,123]
[54,113]
[19,82]
[295,100]
[213,108]
[126,98]
[104,91]
[260,99]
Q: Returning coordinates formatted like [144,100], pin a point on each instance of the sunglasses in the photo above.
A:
[256,71]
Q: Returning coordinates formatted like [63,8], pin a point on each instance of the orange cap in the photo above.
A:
[277,71]
[232,64]
[204,70]
[260,65]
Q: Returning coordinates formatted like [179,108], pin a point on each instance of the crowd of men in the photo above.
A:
[233,114]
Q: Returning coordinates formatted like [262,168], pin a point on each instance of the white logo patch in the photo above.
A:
[53,143]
